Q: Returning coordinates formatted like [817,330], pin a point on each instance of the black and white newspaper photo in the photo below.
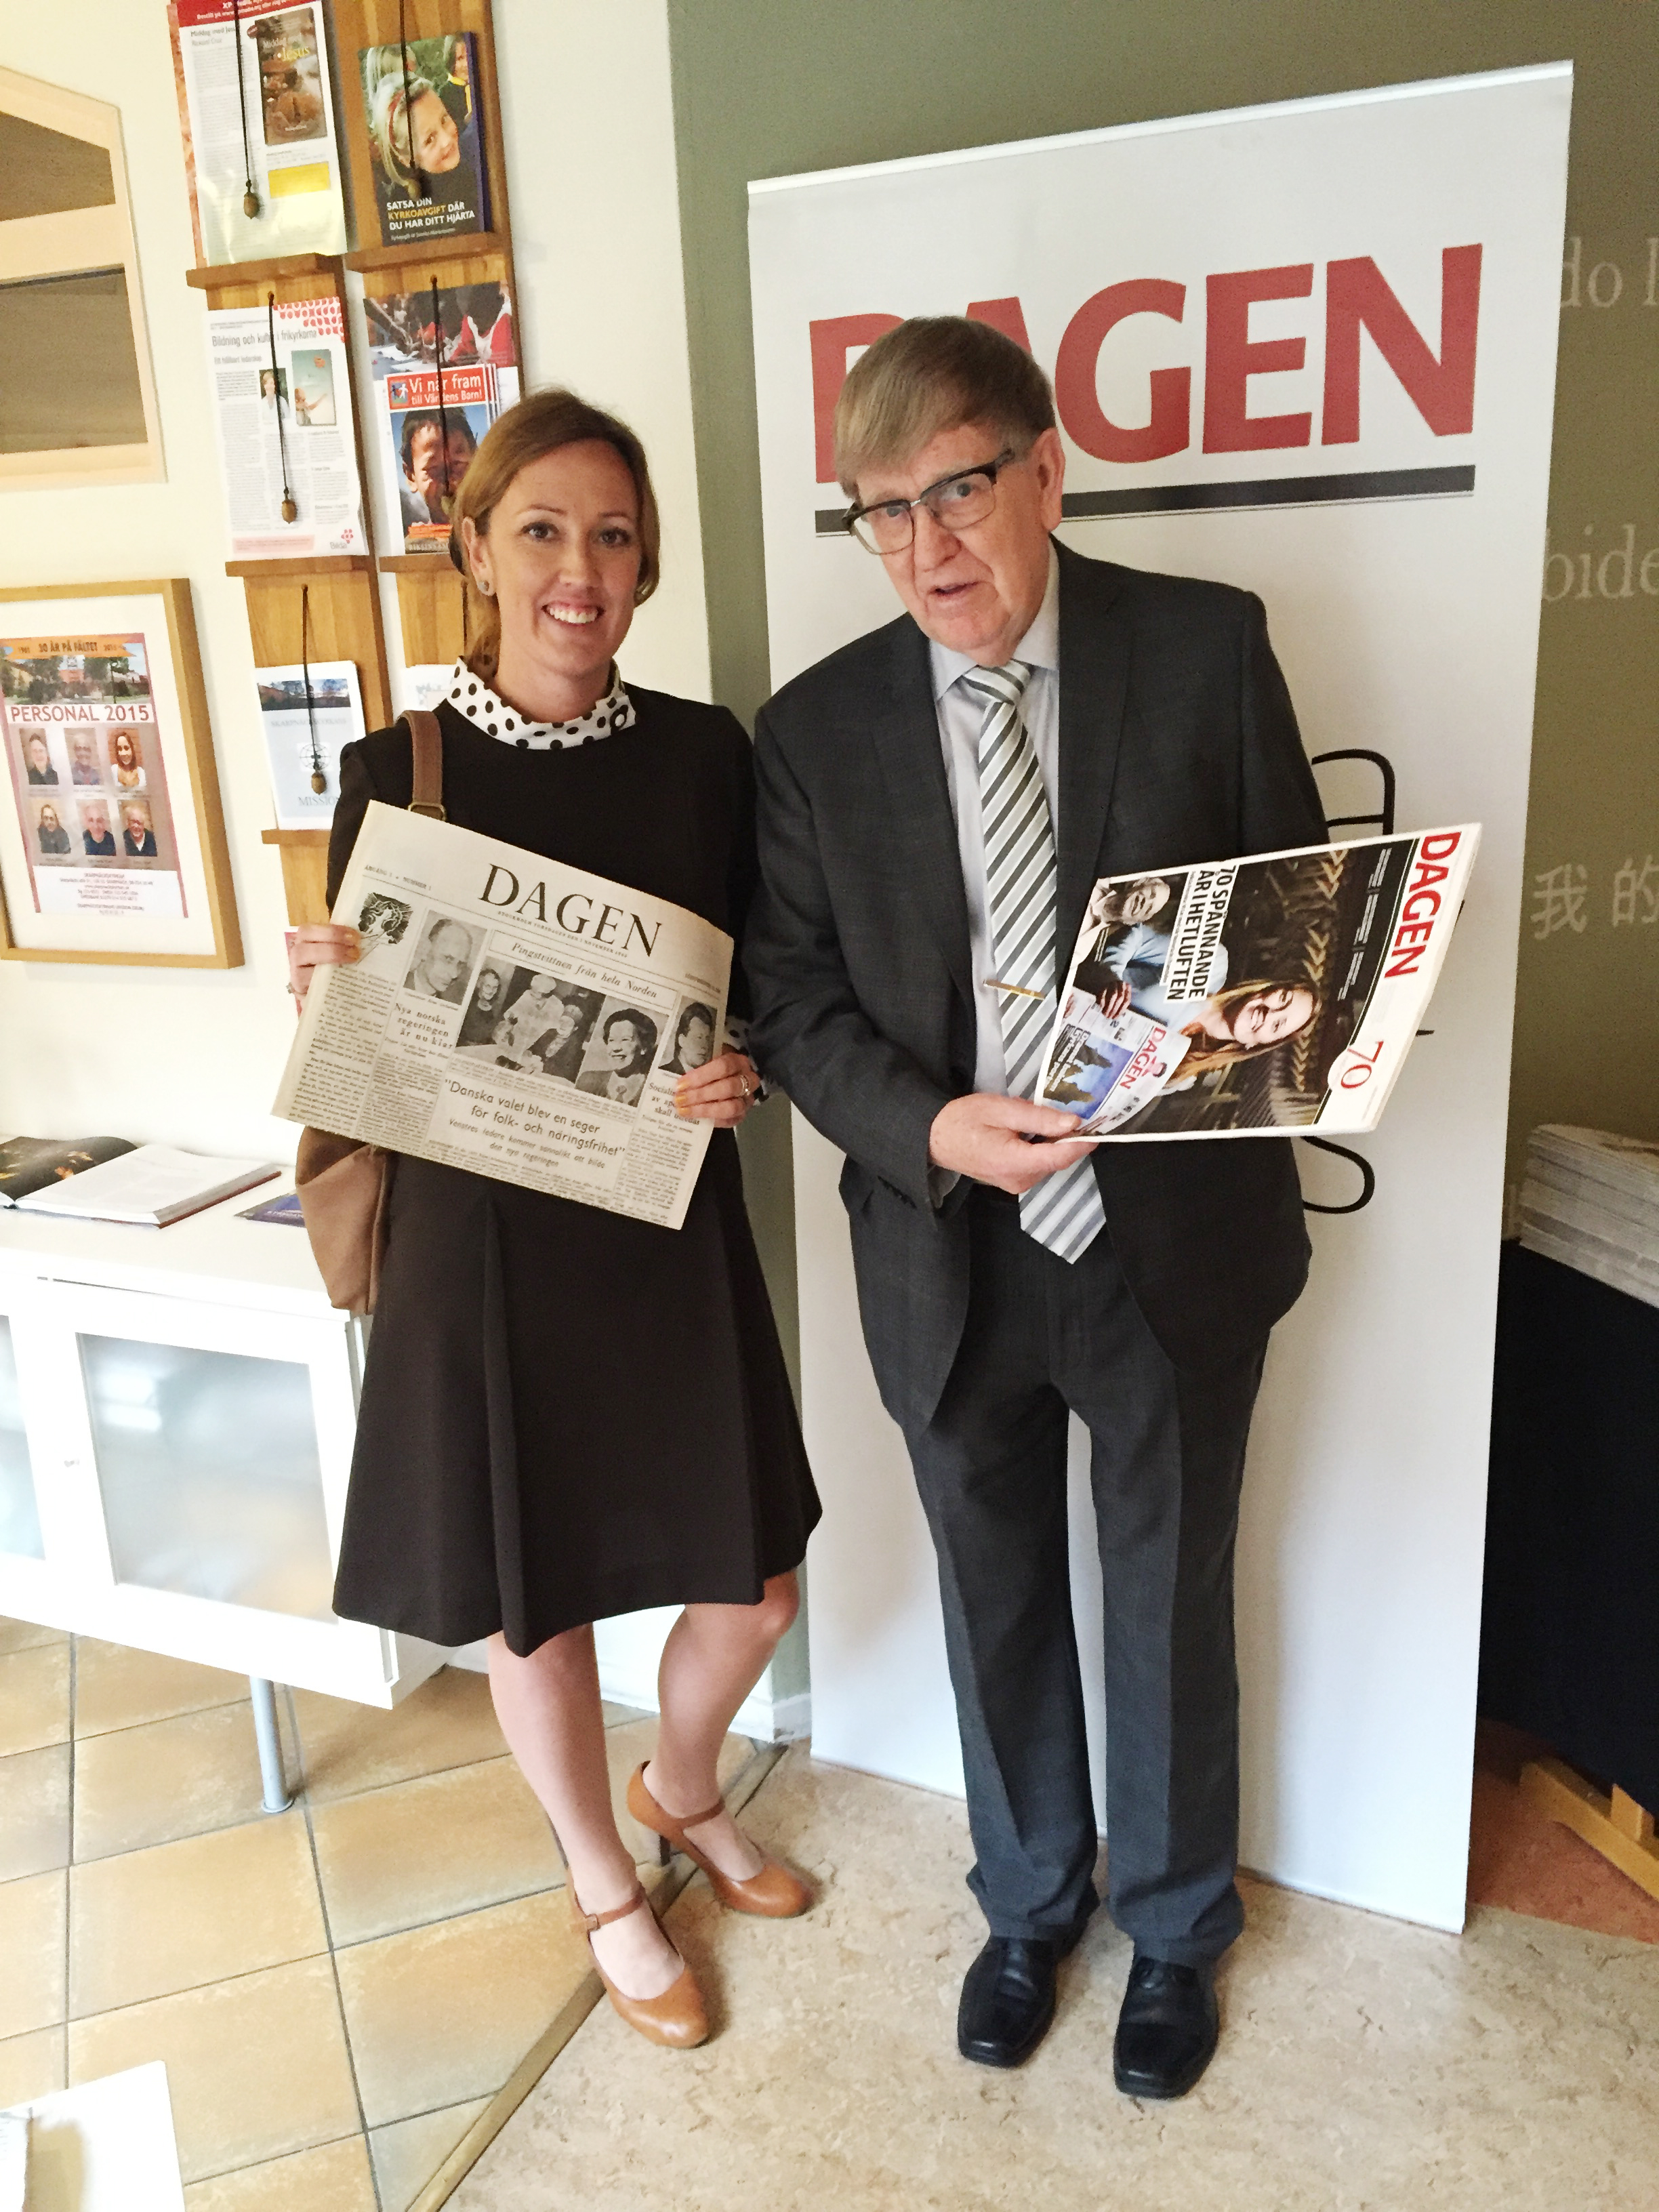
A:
[1245,997]
[514,1017]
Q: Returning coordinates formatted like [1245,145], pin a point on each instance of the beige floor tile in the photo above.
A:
[423,1850]
[31,2066]
[34,1698]
[449,1722]
[117,1686]
[35,1811]
[256,2067]
[334,2177]
[147,1923]
[410,2152]
[26,1635]
[627,1748]
[175,1778]
[618,1716]
[33,1922]
[442,2015]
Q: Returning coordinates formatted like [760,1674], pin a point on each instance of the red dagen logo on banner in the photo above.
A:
[1213,406]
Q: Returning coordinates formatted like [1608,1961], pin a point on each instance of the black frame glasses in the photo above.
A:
[858,513]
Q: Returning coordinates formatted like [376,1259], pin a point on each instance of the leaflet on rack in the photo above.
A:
[511,1016]
[257,111]
[281,393]
[309,711]
[1243,998]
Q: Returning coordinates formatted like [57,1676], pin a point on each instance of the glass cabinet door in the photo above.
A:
[19,1518]
[209,1469]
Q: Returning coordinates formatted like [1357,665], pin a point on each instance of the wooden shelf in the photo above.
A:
[418,564]
[303,565]
[224,275]
[440,252]
[305,871]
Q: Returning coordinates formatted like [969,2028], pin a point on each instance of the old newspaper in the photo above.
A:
[1245,997]
[514,1016]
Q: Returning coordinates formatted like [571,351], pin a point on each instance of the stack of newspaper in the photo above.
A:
[1591,1201]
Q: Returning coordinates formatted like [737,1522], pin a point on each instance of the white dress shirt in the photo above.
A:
[961,718]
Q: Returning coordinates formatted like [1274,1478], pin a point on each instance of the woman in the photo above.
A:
[54,838]
[694,1040]
[123,758]
[1240,1023]
[492,1494]
[627,1042]
[485,1011]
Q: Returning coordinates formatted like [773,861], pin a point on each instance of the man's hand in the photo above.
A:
[1115,1001]
[983,1135]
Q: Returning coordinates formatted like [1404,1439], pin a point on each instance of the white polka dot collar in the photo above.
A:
[490,713]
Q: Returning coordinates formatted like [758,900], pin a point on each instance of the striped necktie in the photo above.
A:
[1064,1213]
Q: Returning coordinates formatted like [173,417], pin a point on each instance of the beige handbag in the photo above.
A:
[344,1187]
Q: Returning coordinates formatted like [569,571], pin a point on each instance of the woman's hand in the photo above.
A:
[721,1091]
[1114,1002]
[319,945]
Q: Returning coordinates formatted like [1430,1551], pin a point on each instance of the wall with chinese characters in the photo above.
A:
[865,82]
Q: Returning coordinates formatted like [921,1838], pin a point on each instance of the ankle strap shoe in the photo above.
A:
[775,1893]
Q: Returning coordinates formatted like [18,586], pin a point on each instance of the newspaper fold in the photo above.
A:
[1243,998]
[514,1016]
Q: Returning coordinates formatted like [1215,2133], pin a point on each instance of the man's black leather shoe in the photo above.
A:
[1167,2031]
[1007,2000]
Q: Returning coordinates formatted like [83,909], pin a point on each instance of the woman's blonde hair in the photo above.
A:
[1207,1058]
[538,426]
[391,106]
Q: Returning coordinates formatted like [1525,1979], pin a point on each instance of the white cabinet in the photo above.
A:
[176,1417]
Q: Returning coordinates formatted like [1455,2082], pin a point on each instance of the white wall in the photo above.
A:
[192,1056]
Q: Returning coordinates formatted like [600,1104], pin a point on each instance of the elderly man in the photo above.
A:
[439,969]
[936,801]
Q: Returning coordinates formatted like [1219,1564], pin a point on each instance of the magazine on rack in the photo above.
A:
[1247,996]
[445,364]
[421,105]
[258,115]
[512,1016]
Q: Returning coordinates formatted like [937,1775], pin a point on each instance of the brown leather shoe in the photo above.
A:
[676,2017]
[775,1893]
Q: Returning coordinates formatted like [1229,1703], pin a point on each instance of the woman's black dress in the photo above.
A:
[568,1414]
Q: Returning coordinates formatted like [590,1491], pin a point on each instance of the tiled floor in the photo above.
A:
[339,1991]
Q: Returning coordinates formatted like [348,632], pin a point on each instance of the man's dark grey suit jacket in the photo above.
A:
[1177,744]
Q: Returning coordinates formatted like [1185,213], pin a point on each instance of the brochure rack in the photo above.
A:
[430,594]
[336,596]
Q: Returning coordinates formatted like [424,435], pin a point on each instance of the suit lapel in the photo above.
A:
[908,746]
[1094,684]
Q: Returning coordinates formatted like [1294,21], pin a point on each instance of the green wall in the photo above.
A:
[774,89]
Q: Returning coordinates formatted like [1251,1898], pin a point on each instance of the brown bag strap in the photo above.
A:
[427,744]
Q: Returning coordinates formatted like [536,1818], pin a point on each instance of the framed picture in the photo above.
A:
[112,839]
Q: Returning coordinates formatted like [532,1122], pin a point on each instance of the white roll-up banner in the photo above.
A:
[1310,350]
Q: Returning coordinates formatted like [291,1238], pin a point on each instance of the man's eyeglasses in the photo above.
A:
[956,502]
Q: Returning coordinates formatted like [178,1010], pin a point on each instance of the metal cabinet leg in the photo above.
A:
[277,1799]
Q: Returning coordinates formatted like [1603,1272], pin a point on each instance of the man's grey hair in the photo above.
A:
[934,374]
